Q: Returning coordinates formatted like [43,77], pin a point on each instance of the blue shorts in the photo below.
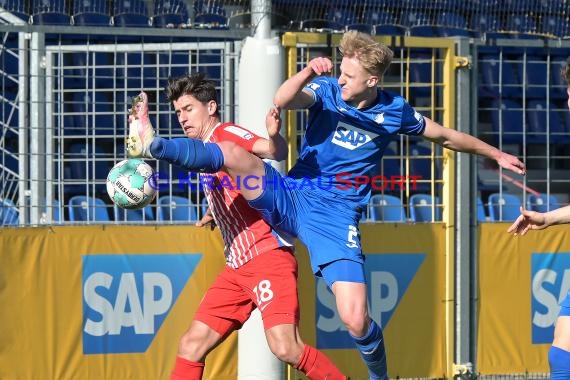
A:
[565,307]
[326,223]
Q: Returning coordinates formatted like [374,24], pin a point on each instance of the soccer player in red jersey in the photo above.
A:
[261,269]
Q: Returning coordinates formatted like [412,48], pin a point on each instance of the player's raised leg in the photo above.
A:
[194,154]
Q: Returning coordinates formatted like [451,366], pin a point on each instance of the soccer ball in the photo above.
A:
[128,186]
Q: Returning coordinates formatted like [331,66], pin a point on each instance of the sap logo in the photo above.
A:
[550,285]
[388,275]
[351,137]
[126,298]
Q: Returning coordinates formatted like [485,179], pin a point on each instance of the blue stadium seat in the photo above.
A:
[522,25]
[503,207]
[554,25]
[95,70]
[16,8]
[170,14]
[421,166]
[9,213]
[210,14]
[56,210]
[144,214]
[542,202]
[498,78]
[534,77]
[91,13]
[176,209]
[481,216]
[130,13]
[543,125]
[507,121]
[138,68]
[93,112]
[386,208]
[421,75]
[87,209]
[451,24]
[87,166]
[421,208]
[557,84]
[50,12]
[418,23]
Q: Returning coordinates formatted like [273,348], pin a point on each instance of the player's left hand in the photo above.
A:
[528,220]
[273,121]
[512,163]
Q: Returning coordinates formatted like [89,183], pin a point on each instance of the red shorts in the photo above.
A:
[268,282]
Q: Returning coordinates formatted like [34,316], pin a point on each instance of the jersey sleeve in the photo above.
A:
[413,123]
[318,88]
[237,134]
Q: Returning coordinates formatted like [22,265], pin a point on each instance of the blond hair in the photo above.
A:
[374,56]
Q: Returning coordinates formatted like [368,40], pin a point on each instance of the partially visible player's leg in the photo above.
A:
[559,353]
[192,350]
[280,312]
[349,288]
[224,309]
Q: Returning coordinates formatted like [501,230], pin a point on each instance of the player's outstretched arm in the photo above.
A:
[290,94]
[462,142]
[531,220]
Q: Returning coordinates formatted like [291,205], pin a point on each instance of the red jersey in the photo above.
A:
[246,235]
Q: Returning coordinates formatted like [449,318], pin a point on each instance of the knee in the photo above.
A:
[286,350]
[192,346]
[356,322]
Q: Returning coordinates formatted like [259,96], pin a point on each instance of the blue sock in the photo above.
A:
[372,351]
[559,361]
[190,154]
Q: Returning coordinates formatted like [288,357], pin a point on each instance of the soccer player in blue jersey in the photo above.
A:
[351,121]
[559,353]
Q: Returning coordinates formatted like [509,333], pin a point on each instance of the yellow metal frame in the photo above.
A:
[291,41]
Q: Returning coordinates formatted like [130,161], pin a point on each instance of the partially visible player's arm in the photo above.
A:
[290,94]
[531,220]
[462,142]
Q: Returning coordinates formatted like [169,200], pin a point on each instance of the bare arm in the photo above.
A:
[290,94]
[532,220]
[462,142]
[275,147]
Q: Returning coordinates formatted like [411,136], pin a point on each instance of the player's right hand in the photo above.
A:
[273,121]
[320,65]
[207,220]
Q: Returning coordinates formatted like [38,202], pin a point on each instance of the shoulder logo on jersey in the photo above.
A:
[126,298]
[351,137]
[379,119]
[246,135]
[313,86]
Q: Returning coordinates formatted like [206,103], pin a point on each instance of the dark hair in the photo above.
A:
[195,85]
[565,72]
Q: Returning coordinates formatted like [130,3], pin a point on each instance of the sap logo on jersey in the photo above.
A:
[389,276]
[550,285]
[350,137]
[126,298]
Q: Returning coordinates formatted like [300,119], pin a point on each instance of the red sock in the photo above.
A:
[186,370]
[317,366]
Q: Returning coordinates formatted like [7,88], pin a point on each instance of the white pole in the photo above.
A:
[261,72]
